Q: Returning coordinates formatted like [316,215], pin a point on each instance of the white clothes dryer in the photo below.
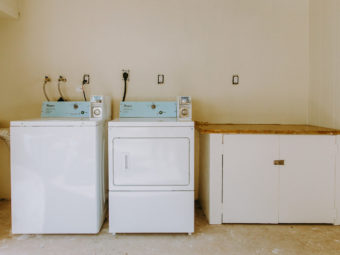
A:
[151,175]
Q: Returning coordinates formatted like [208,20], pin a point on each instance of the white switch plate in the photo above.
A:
[236,79]
[160,79]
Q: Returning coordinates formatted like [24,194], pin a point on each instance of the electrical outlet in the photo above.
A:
[62,79]
[86,79]
[47,78]
[126,71]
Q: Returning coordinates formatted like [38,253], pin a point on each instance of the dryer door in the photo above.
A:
[151,161]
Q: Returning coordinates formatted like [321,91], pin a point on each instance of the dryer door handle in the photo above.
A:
[126,161]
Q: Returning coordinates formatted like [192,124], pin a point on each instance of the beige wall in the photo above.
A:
[8,8]
[325,63]
[197,44]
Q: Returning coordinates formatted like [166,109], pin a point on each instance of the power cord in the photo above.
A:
[125,77]
[86,80]
[84,92]
[61,79]
[46,80]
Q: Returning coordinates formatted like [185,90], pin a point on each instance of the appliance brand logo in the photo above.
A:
[50,105]
[127,105]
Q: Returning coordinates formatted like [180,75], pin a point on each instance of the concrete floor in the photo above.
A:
[207,239]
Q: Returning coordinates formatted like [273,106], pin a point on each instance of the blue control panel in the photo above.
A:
[148,109]
[66,109]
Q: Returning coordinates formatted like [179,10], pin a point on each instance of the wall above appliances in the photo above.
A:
[192,48]
[9,9]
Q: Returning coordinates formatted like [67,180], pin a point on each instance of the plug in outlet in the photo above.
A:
[47,78]
[126,71]
[86,79]
[62,79]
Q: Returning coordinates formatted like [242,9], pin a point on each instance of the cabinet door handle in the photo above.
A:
[279,162]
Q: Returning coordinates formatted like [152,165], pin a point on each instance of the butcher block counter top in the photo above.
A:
[206,128]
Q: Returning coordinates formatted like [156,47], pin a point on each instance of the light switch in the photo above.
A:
[236,79]
[160,79]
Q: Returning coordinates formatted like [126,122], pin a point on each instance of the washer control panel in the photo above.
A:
[65,110]
[99,107]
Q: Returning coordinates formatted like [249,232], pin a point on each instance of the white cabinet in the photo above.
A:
[307,179]
[255,190]
[250,180]
[337,182]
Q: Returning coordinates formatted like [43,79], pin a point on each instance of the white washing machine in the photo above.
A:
[57,175]
[151,176]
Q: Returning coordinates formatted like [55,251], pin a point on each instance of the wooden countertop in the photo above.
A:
[206,128]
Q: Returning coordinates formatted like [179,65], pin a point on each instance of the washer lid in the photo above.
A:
[58,122]
[150,122]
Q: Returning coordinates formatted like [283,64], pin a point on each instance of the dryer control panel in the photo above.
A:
[162,109]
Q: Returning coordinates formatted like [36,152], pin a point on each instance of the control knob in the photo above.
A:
[97,112]
[184,112]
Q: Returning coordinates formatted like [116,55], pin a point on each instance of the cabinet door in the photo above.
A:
[307,179]
[250,180]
